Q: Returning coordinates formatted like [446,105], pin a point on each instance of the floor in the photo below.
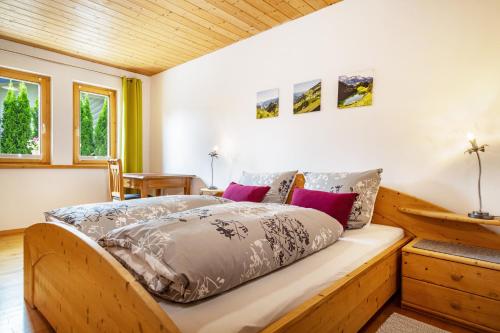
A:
[16,317]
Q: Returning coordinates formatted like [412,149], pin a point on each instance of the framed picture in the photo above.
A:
[307,97]
[355,90]
[268,103]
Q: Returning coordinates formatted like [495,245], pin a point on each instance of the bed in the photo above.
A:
[253,306]
[80,287]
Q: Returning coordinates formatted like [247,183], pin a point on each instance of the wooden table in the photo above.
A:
[156,181]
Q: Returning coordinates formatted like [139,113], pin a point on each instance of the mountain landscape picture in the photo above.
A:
[268,103]
[307,97]
[355,90]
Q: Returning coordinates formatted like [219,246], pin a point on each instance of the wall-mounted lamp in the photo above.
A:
[477,149]
[213,154]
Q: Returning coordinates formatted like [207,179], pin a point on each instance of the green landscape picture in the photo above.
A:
[268,103]
[307,97]
[355,90]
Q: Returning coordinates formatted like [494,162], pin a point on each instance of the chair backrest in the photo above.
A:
[115,179]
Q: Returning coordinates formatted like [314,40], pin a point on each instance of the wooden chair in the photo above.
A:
[116,189]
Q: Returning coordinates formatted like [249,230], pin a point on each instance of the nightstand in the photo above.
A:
[457,282]
[215,192]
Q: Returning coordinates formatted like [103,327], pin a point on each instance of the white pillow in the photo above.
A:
[366,184]
[280,183]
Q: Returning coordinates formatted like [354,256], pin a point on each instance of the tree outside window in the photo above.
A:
[95,117]
[24,119]
[19,118]
[93,125]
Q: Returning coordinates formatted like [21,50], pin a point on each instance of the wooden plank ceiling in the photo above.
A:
[143,36]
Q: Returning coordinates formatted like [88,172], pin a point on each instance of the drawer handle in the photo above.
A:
[455,305]
[456,277]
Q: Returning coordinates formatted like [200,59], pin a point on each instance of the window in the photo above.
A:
[94,124]
[24,118]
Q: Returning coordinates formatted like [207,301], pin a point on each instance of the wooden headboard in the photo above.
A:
[298,182]
[387,212]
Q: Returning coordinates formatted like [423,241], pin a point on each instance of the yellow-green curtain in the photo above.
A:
[132,125]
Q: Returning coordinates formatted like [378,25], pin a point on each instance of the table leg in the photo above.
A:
[187,187]
[144,190]
[158,192]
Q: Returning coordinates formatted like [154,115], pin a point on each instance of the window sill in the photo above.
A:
[51,166]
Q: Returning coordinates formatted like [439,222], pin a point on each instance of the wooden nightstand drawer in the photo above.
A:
[472,279]
[473,310]
[454,281]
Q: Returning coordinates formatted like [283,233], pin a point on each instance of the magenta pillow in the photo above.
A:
[237,192]
[337,205]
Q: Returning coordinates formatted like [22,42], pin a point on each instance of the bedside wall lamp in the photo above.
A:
[475,148]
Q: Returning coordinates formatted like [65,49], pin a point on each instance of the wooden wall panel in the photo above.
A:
[143,36]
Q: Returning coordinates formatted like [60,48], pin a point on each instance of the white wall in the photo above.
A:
[437,76]
[26,193]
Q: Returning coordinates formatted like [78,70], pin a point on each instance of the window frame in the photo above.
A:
[44,105]
[77,89]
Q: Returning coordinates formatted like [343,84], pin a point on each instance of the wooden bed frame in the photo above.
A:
[79,287]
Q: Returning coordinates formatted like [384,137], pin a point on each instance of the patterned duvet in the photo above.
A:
[95,220]
[201,252]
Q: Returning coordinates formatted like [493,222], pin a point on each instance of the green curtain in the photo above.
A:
[132,125]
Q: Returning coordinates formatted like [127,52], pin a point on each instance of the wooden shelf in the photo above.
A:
[448,216]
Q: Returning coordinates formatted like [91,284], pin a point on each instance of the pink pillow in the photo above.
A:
[237,192]
[337,205]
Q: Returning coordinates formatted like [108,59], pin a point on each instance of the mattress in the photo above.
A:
[258,303]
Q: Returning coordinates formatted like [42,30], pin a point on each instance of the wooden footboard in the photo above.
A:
[79,287]
[350,302]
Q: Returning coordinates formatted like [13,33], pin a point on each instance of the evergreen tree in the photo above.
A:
[6,142]
[86,128]
[24,119]
[101,131]
[34,117]
[16,122]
